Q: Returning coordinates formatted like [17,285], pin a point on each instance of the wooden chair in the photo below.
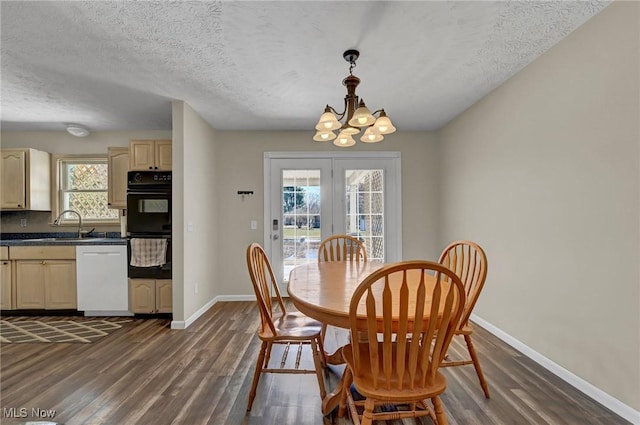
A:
[395,359]
[467,260]
[290,328]
[341,248]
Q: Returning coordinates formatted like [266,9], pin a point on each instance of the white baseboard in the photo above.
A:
[220,298]
[180,324]
[615,405]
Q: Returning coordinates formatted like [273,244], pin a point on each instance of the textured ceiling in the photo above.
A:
[263,65]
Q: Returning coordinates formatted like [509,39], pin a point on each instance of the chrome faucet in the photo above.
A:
[56,222]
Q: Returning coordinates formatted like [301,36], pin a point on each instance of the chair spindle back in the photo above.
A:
[419,318]
[342,248]
[469,261]
[264,282]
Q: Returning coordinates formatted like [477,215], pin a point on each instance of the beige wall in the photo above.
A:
[547,181]
[61,142]
[196,223]
[239,166]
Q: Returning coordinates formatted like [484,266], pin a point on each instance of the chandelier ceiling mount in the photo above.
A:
[357,115]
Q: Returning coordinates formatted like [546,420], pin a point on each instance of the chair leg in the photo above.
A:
[323,354]
[257,373]
[315,347]
[367,415]
[347,380]
[441,417]
[476,365]
[267,353]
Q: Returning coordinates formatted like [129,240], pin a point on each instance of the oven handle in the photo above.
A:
[150,192]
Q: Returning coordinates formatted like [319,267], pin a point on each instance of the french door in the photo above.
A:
[310,196]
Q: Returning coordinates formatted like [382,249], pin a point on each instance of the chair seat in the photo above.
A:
[293,325]
[364,382]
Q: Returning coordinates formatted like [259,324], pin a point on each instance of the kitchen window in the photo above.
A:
[82,184]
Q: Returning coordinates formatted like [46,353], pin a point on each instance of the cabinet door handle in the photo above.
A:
[43,262]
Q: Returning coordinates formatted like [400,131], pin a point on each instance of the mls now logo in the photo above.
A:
[23,412]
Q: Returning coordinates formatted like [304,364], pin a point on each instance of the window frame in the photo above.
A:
[57,192]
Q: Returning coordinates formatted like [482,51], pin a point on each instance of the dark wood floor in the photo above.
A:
[148,374]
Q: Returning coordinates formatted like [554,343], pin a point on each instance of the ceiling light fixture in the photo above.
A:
[358,115]
[77,130]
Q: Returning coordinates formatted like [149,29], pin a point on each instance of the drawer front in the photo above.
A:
[42,252]
[4,252]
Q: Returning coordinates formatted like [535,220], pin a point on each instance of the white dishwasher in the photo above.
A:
[101,272]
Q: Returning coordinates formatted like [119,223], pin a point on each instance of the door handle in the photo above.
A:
[275,237]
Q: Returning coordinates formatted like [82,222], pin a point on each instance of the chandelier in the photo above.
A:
[357,115]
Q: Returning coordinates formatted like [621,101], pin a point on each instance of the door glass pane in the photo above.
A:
[300,218]
[364,202]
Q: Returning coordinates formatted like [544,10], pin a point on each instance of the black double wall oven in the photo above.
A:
[149,218]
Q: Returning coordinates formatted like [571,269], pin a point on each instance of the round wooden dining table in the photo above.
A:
[323,292]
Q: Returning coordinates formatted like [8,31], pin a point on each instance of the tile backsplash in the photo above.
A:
[38,222]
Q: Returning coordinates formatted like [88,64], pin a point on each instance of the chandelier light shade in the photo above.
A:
[356,114]
[371,135]
[383,124]
[344,140]
[328,121]
[324,136]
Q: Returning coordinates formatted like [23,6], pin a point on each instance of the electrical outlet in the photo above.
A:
[254,224]
[23,222]
[195,288]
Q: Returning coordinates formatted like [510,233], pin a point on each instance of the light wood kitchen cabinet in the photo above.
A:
[48,284]
[142,295]
[29,284]
[164,296]
[25,180]
[150,296]
[118,163]
[60,288]
[150,155]
[6,302]
[45,277]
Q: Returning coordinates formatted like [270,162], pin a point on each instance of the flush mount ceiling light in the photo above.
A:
[357,115]
[77,130]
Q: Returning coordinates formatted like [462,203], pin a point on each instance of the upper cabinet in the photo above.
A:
[25,180]
[149,155]
[118,160]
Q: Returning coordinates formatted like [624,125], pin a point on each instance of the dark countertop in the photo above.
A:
[33,239]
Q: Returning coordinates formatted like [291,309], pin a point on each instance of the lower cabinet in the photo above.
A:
[44,277]
[150,296]
[5,280]
[46,284]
